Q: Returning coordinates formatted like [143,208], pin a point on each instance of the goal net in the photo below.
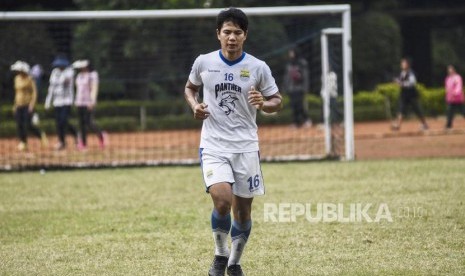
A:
[143,59]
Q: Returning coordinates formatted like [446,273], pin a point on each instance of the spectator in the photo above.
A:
[24,104]
[408,95]
[60,94]
[454,95]
[86,99]
[330,86]
[296,85]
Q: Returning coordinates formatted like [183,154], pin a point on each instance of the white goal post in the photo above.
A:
[345,30]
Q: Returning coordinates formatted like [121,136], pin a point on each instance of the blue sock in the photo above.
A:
[220,228]
[239,234]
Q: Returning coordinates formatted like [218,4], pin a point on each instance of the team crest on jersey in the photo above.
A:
[245,75]
[227,104]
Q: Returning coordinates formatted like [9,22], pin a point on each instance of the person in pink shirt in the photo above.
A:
[454,95]
[86,99]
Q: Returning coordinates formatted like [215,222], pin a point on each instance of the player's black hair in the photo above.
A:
[234,15]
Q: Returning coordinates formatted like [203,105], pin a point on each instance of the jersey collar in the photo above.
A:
[229,62]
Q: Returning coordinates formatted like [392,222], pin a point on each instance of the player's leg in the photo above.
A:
[249,183]
[240,232]
[221,194]
[218,176]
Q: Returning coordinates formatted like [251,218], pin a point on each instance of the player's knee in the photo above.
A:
[223,206]
[243,214]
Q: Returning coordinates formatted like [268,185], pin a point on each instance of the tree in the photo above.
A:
[376,49]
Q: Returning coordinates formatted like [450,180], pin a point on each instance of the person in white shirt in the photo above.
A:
[60,95]
[330,86]
[235,85]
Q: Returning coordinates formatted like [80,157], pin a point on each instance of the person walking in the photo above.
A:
[454,95]
[24,104]
[87,82]
[408,95]
[60,94]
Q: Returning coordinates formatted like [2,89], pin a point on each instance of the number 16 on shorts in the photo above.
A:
[254,182]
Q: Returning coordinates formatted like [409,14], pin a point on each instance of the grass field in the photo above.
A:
[155,221]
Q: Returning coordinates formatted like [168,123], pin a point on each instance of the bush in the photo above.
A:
[433,101]
[119,116]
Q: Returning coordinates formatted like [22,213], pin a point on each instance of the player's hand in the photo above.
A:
[30,108]
[256,98]
[200,111]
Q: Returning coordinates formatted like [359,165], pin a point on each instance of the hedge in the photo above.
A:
[117,116]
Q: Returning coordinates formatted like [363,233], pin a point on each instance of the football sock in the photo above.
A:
[239,234]
[220,227]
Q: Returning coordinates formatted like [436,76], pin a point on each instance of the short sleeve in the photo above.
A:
[94,76]
[267,83]
[194,76]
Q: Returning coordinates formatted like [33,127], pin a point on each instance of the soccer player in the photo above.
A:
[235,85]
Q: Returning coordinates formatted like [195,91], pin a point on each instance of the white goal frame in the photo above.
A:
[342,10]
[324,75]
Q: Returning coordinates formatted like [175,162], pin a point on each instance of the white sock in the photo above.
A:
[239,234]
[221,243]
[220,229]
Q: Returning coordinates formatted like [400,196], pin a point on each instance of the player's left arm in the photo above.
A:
[268,104]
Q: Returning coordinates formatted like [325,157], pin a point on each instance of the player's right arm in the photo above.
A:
[199,109]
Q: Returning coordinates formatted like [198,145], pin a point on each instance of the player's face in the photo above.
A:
[232,38]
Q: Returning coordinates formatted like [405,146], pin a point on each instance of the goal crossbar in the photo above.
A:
[169,13]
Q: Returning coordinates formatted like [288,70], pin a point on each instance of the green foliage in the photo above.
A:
[30,42]
[124,115]
[376,48]
[433,101]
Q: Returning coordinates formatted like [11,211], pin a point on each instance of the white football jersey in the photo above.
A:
[231,126]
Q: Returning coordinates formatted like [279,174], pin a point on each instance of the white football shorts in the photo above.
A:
[241,170]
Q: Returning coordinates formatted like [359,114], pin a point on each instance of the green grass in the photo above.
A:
[155,221]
